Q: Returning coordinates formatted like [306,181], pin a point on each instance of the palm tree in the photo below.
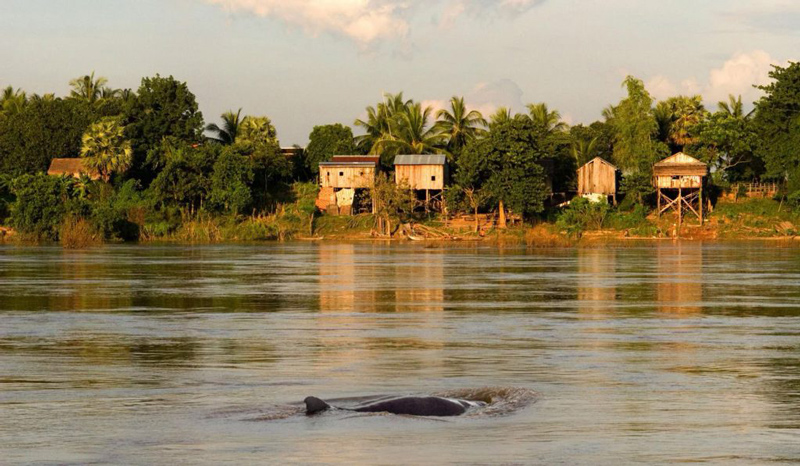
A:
[88,88]
[105,149]
[12,101]
[409,133]
[379,123]
[230,127]
[37,98]
[257,130]
[734,108]
[459,126]
[500,116]
[550,120]
[109,93]
[583,150]
[677,117]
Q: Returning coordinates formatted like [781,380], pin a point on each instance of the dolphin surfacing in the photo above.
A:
[410,405]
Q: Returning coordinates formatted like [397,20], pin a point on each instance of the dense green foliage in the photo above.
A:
[41,131]
[162,107]
[326,141]
[41,204]
[778,123]
[506,165]
[163,173]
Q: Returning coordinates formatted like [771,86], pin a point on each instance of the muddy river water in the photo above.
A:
[649,353]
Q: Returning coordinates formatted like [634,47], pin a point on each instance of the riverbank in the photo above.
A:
[749,219]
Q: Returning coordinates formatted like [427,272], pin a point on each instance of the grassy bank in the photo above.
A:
[584,224]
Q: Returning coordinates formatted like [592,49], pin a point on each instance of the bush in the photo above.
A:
[627,220]
[582,215]
[41,205]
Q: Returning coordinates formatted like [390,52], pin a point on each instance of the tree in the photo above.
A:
[583,151]
[105,149]
[257,130]
[42,131]
[410,134]
[544,117]
[501,116]
[727,140]
[507,164]
[12,102]
[231,123]
[327,141]
[777,122]
[230,181]
[90,89]
[734,108]
[678,118]
[379,122]
[163,107]
[459,126]
[393,203]
[185,179]
[588,142]
[41,204]
[635,127]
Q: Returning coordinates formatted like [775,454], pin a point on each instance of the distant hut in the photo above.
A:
[425,174]
[345,179]
[679,180]
[71,167]
[597,179]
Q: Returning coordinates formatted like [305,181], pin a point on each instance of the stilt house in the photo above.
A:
[343,180]
[425,174]
[679,180]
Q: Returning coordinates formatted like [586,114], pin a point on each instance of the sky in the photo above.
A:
[312,62]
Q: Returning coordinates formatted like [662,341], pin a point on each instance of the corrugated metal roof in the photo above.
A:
[420,159]
[347,164]
[356,158]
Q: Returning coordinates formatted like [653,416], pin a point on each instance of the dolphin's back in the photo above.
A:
[314,405]
[417,406]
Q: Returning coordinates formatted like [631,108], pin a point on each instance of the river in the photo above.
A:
[652,353]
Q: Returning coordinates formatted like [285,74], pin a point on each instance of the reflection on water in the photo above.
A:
[656,353]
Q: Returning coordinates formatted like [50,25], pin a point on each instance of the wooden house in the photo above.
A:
[344,179]
[71,167]
[679,180]
[598,178]
[348,172]
[425,174]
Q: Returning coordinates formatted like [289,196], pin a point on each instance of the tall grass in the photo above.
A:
[77,233]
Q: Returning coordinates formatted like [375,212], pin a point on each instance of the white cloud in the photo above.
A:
[367,21]
[736,76]
[486,98]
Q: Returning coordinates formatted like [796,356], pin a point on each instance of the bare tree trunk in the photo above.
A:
[502,220]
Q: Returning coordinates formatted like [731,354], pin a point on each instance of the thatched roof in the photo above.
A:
[72,167]
[680,164]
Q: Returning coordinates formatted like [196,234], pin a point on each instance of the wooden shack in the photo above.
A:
[425,174]
[348,172]
[679,180]
[71,167]
[598,178]
[353,174]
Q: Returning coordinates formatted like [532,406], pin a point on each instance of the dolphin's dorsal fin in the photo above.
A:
[314,405]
